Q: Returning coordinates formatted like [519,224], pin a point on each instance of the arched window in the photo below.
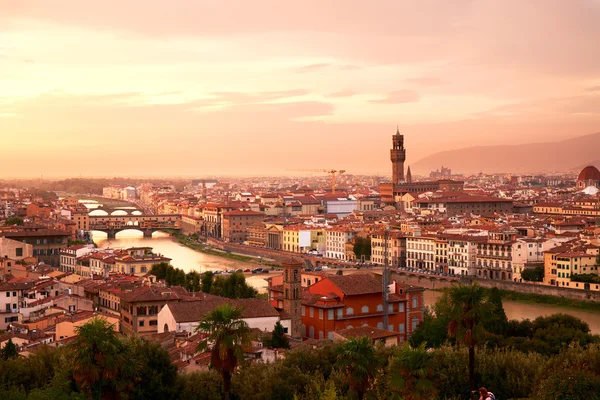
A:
[380,325]
[349,311]
[380,307]
[303,329]
[311,332]
[365,309]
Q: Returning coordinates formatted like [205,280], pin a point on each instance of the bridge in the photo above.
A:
[109,210]
[147,224]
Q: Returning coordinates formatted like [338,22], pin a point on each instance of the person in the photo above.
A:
[485,395]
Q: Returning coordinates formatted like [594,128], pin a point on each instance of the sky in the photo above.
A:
[224,87]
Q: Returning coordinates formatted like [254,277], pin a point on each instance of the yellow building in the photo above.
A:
[300,238]
[575,263]
[65,327]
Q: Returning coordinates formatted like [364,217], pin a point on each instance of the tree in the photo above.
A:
[14,221]
[207,281]
[468,308]
[357,361]
[233,286]
[496,321]
[9,351]
[279,340]
[102,364]
[362,247]
[157,374]
[227,333]
[412,373]
[533,274]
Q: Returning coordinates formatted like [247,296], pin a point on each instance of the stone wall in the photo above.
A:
[575,294]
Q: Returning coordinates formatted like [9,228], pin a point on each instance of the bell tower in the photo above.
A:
[292,294]
[398,156]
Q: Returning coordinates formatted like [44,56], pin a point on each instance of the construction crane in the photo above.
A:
[332,172]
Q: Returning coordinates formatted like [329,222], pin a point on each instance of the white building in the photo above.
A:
[69,255]
[529,253]
[420,252]
[335,242]
[342,206]
[462,254]
[185,316]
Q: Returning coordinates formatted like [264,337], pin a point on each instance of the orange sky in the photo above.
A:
[209,87]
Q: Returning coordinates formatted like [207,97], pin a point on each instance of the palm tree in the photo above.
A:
[102,365]
[227,333]
[468,306]
[415,375]
[357,360]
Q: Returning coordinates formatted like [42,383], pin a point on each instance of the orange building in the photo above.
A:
[338,302]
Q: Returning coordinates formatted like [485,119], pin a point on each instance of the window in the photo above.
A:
[390,307]
[415,302]
[14,294]
[400,307]
[7,294]
[349,311]
[340,313]
[153,323]
[330,315]
[414,323]
[380,325]
[311,312]
[141,323]
[19,252]
[320,313]
[401,328]
[365,309]
[303,310]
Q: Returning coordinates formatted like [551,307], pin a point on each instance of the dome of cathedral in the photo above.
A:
[589,173]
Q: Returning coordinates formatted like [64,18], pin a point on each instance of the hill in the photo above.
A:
[562,156]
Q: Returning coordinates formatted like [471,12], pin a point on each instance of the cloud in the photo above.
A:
[398,97]
[343,93]
[311,68]
[258,97]
[349,67]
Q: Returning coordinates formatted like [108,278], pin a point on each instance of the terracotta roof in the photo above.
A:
[589,173]
[193,311]
[355,284]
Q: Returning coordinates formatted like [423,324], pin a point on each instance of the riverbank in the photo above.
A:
[541,299]
[533,298]
[192,243]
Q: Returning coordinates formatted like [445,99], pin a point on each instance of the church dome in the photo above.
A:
[589,173]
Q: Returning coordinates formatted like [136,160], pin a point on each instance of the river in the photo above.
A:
[520,311]
[181,256]
[188,260]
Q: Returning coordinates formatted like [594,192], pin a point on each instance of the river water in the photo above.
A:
[187,259]
[181,256]
[520,311]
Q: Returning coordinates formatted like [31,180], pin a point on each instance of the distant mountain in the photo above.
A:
[567,155]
